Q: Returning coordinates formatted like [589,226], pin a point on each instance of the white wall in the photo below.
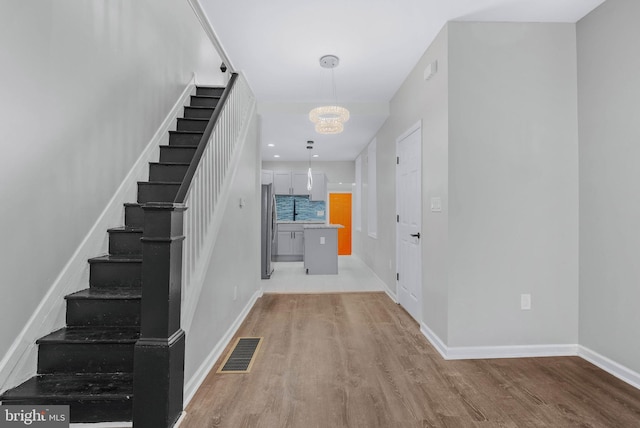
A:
[84,87]
[513,184]
[234,264]
[609,117]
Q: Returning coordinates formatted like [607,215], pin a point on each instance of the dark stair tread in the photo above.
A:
[81,387]
[197,119]
[202,107]
[132,204]
[169,164]
[116,258]
[125,229]
[206,96]
[188,132]
[159,183]
[92,335]
[118,293]
[190,146]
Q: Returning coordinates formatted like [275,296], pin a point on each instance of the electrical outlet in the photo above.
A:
[525,302]
[322,241]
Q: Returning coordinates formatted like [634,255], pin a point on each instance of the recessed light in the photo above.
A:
[276,156]
[271,145]
[316,156]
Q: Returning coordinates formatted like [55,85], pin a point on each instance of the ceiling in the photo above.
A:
[277,44]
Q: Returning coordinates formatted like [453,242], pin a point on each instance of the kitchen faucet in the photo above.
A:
[295,213]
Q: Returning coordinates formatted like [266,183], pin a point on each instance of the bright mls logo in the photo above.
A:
[34,416]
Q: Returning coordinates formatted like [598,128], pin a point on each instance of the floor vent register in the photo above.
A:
[242,355]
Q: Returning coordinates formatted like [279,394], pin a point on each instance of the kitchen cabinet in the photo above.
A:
[267,176]
[295,183]
[319,189]
[299,183]
[321,249]
[290,242]
[290,182]
[282,182]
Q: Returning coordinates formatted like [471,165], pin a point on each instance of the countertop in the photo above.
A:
[323,226]
[300,222]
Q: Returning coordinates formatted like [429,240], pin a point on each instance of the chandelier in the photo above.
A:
[329,119]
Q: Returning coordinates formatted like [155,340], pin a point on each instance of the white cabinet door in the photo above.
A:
[267,176]
[284,247]
[319,189]
[282,182]
[297,244]
[299,183]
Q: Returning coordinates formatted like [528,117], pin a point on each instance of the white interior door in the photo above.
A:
[409,209]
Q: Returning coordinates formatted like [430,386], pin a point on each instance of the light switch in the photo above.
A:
[436,204]
[320,213]
[322,240]
[525,302]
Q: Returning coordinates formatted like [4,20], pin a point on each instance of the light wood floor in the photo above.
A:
[359,360]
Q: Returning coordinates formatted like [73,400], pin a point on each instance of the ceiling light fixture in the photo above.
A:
[329,119]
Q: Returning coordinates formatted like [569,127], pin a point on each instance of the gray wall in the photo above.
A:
[500,148]
[425,101]
[84,86]
[513,184]
[609,113]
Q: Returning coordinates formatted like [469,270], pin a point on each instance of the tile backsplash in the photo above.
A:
[305,209]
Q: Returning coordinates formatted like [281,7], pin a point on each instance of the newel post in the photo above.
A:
[159,353]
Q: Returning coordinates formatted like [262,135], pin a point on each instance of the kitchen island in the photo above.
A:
[321,248]
[289,240]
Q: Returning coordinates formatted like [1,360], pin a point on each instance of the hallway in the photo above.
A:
[359,360]
[353,276]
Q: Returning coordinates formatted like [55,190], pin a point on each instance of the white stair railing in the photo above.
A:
[208,192]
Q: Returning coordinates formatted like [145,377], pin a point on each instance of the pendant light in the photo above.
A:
[329,119]
[309,173]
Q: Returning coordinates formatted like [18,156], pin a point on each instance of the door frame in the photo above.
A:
[416,127]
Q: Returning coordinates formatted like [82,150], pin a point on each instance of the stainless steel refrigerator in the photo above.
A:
[268,228]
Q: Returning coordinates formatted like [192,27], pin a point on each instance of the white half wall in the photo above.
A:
[609,117]
[232,282]
[85,85]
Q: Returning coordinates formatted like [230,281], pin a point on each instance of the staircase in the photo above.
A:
[89,363]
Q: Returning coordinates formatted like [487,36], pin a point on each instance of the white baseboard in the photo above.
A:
[434,339]
[608,365]
[390,293]
[517,351]
[19,363]
[487,352]
[192,385]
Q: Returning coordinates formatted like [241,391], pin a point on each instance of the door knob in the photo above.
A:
[416,235]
